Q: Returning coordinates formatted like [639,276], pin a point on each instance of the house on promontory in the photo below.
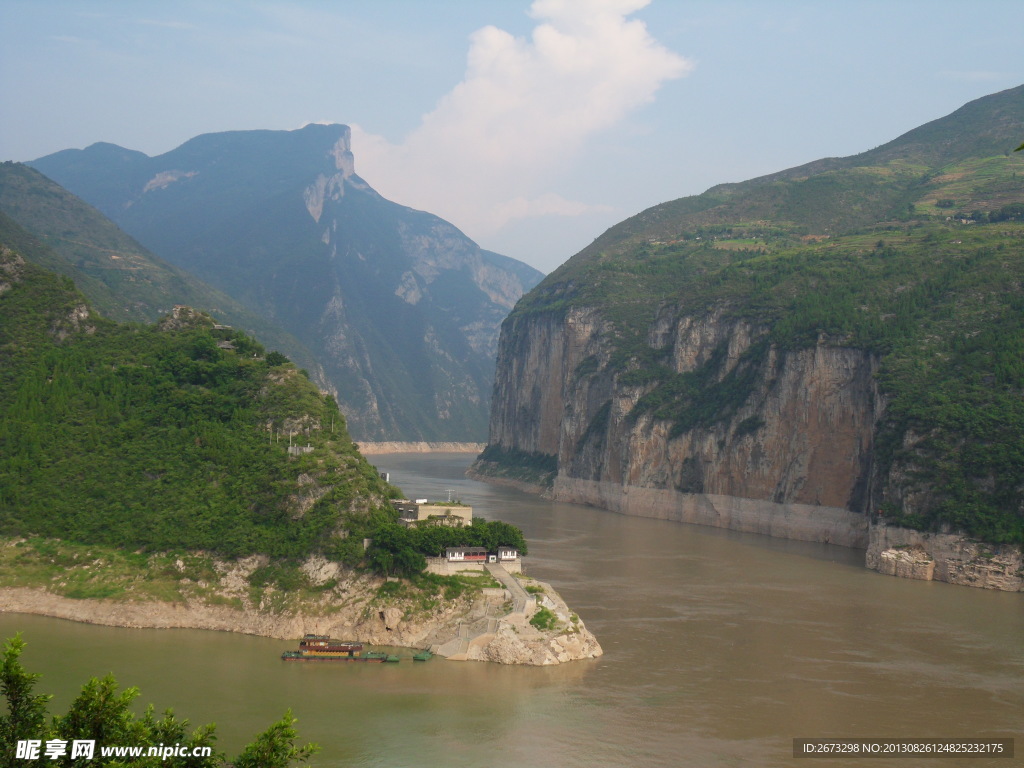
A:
[465,559]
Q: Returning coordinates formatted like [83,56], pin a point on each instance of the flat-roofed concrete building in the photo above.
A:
[423,512]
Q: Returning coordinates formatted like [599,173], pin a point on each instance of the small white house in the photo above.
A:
[466,554]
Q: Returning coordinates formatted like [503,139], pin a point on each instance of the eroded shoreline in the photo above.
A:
[475,627]
[889,549]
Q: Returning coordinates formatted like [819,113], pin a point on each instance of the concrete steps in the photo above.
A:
[481,632]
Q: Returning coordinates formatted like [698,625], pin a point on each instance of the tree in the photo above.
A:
[275,747]
[26,712]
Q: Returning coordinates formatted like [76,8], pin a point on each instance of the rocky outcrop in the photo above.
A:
[945,557]
[11,267]
[788,454]
[518,641]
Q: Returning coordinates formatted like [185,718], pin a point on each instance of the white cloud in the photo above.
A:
[493,146]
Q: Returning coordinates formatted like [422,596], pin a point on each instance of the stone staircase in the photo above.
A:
[481,632]
[522,601]
[476,633]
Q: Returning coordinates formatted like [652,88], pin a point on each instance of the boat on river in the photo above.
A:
[325,648]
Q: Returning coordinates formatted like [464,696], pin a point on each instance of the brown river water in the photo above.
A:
[720,650]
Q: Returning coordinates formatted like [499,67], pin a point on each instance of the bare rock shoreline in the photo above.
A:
[477,628]
[889,549]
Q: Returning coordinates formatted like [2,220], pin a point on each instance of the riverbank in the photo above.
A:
[890,550]
[376,449]
[802,522]
[199,592]
[509,482]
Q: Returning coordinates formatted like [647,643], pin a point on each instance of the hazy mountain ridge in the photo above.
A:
[832,195]
[792,354]
[401,309]
[121,279]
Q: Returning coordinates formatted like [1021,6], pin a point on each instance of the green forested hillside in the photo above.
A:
[170,436]
[914,251]
[959,164]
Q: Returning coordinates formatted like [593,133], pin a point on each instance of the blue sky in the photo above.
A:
[533,126]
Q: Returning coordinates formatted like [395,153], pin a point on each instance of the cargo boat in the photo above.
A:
[323,648]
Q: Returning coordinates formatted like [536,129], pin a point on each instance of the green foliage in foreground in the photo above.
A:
[165,437]
[103,714]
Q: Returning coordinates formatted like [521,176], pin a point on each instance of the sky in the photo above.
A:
[531,126]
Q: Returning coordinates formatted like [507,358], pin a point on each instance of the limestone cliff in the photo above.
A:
[792,457]
[793,354]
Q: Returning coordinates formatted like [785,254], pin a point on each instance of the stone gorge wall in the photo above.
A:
[803,522]
[794,460]
[537,355]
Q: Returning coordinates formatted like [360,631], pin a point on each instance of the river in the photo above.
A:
[720,649]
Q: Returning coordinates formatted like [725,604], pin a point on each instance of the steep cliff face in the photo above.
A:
[794,354]
[796,443]
[399,307]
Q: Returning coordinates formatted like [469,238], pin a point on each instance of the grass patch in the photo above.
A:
[544,619]
[424,592]
[86,572]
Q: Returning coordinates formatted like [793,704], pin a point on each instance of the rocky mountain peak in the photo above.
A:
[401,309]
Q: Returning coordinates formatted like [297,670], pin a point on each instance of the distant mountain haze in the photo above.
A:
[400,308]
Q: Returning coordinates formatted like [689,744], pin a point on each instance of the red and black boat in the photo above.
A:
[324,648]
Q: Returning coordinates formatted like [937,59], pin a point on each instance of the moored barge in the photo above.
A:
[324,648]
